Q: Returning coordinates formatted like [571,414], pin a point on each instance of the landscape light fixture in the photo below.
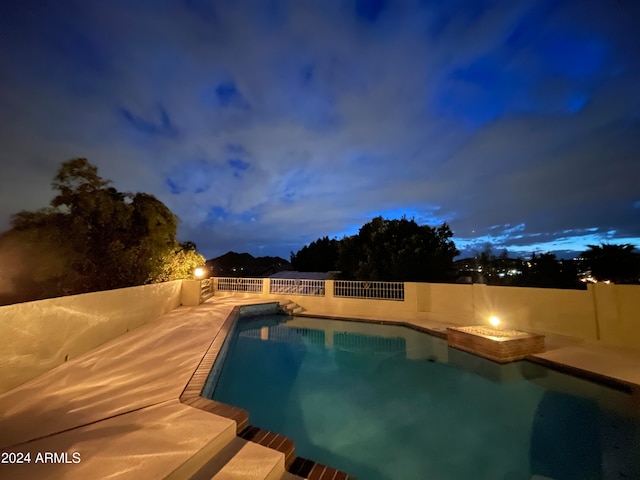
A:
[494,321]
[198,272]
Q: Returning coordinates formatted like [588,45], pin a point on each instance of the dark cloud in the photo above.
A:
[163,126]
[228,95]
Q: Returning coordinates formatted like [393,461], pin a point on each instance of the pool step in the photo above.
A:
[291,307]
[247,460]
[240,458]
[253,462]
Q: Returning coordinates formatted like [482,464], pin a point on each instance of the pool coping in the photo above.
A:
[436,332]
[191,396]
[595,377]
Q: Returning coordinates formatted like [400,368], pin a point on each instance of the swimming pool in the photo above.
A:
[389,402]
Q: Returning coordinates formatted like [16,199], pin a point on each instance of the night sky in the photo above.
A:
[265,124]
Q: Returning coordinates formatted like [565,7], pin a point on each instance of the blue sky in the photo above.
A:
[264,124]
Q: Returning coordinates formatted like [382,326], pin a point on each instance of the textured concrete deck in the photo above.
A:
[117,406]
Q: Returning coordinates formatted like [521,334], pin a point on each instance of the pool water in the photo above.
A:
[388,402]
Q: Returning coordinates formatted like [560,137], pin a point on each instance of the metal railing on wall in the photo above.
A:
[206,288]
[291,286]
[206,285]
[233,284]
[296,286]
[374,290]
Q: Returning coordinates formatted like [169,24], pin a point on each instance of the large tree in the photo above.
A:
[93,237]
[398,250]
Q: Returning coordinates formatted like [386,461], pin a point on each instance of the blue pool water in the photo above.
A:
[388,402]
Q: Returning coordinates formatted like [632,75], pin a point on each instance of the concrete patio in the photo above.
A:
[118,407]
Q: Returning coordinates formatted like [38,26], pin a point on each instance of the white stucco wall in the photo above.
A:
[37,336]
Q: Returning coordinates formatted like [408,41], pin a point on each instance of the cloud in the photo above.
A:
[265,125]
[163,126]
[227,95]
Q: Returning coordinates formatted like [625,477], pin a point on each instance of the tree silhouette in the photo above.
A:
[319,256]
[546,270]
[398,250]
[616,263]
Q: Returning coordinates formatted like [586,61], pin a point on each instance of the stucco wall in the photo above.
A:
[446,302]
[38,336]
[606,313]
[549,310]
[618,310]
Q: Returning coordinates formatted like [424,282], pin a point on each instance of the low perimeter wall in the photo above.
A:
[38,336]
[605,313]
